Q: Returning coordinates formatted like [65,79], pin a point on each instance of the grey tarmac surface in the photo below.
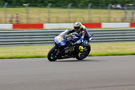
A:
[94,73]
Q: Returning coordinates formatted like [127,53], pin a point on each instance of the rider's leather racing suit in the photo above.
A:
[81,34]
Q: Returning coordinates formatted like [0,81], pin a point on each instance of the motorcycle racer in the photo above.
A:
[80,30]
[73,43]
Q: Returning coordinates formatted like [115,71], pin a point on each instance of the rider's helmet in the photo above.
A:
[77,26]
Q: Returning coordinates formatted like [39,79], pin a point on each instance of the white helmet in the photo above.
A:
[77,25]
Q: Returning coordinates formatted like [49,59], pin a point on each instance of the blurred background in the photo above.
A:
[63,11]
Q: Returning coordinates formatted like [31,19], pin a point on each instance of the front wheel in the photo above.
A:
[52,57]
[83,52]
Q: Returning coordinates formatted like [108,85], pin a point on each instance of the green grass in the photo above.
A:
[24,51]
[98,49]
[107,49]
[60,15]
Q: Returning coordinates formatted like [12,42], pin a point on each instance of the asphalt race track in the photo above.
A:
[94,73]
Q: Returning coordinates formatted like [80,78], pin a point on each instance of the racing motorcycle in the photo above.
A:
[65,47]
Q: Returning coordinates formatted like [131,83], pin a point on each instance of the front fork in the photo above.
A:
[59,50]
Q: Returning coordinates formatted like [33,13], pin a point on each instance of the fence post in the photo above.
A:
[89,11]
[69,13]
[5,12]
[109,12]
[49,12]
[27,12]
[133,13]
[17,18]
[126,13]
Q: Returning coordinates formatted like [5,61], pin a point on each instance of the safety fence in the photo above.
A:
[26,13]
[32,37]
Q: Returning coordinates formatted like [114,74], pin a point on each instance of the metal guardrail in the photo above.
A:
[28,37]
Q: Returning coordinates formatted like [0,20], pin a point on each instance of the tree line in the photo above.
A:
[61,3]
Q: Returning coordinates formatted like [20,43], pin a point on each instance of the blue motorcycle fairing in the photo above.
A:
[59,40]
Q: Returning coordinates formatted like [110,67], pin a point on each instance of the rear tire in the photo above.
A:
[83,54]
[52,55]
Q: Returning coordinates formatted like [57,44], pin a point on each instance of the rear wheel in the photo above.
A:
[52,54]
[83,52]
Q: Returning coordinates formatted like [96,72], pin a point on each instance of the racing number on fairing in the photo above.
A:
[59,38]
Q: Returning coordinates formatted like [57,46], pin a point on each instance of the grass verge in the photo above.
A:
[111,49]
[98,49]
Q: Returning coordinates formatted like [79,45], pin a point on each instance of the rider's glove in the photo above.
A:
[79,41]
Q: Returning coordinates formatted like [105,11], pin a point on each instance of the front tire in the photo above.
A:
[52,57]
[81,54]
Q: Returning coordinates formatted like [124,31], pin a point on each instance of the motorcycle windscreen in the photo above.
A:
[60,40]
